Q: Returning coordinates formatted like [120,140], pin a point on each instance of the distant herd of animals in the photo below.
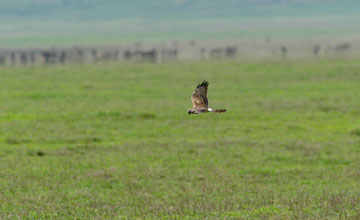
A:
[80,54]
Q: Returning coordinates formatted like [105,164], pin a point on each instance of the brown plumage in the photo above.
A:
[200,100]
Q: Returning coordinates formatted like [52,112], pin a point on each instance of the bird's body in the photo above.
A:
[200,100]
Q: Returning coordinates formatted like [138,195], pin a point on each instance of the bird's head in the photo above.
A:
[190,111]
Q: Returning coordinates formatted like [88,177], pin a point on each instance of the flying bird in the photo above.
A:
[200,100]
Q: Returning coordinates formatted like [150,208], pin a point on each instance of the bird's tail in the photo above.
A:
[218,110]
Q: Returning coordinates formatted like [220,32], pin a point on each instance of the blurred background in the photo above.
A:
[62,31]
[94,98]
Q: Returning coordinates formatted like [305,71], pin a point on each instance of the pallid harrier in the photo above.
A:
[200,101]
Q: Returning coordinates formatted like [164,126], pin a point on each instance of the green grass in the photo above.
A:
[20,41]
[114,141]
[31,34]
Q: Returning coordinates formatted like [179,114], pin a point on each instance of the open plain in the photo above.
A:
[114,141]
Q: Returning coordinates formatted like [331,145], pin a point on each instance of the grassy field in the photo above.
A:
[47,34]
[114,141]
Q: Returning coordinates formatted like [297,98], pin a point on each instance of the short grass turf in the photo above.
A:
[114,141]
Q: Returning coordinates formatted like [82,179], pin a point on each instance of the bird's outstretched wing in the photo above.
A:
[199,96]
